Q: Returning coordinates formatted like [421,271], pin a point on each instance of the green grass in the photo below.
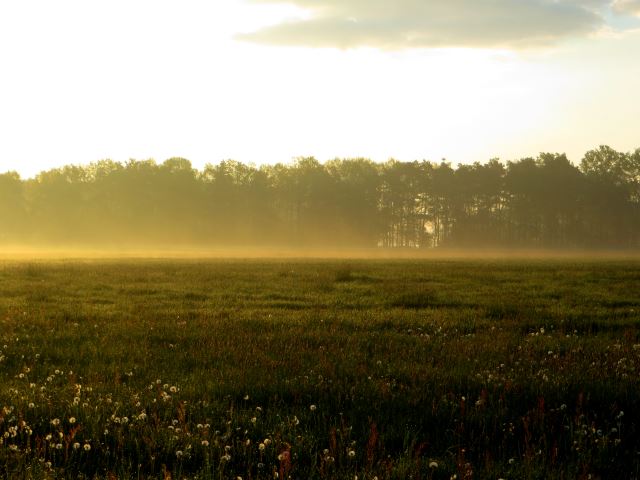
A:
[320,369]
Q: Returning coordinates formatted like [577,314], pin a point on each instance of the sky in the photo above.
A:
[266,81]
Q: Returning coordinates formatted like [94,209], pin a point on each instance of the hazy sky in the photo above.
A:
[264,81]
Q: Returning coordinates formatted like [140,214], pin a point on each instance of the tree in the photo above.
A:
[356,182]
[12,207]
[543,202]
[612,196]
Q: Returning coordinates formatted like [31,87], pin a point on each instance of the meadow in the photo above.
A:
[320,369]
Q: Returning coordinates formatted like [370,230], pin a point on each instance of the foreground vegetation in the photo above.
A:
[299,369]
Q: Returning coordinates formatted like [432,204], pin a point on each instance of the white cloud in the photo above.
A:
[627,6]
[401,24]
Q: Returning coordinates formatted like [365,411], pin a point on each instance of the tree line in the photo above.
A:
[543,202]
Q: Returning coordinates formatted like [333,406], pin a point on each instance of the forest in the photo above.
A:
[545,202]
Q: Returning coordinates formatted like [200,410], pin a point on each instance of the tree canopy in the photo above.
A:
[542,202]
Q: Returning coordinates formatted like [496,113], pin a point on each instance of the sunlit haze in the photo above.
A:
[266,81]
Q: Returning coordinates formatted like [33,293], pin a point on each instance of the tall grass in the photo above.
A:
[265,369]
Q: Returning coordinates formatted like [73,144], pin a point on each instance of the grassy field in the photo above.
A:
[261,369]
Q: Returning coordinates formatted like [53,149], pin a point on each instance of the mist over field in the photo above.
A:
[344,207]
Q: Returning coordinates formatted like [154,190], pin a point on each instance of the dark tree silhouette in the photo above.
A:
[543,202]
